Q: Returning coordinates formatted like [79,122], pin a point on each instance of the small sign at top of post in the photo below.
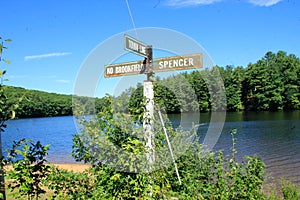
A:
[135,46]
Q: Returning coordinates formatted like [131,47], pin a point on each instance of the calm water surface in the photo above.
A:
[56,131]
[274,136]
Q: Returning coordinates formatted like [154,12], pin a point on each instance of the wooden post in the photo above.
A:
[149,112]
[148,121]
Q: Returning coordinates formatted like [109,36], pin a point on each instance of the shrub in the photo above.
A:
[290,191]
[29,168]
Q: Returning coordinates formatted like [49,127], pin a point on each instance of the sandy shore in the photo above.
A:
[73,167]
[67,166]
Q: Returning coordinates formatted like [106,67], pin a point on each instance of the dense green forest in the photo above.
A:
[270,84]
[33,103]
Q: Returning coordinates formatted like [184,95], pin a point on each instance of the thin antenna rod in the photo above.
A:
[132,21]
[169,145]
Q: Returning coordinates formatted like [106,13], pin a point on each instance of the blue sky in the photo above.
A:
[51,39]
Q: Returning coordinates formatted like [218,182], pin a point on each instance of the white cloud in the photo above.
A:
[186,3]
[264,2]
[47,55]
[62,81]
[18,76]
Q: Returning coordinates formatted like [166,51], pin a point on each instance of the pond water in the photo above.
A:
[274,136]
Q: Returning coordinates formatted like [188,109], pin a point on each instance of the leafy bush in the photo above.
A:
[29,168]
[205,175]
[70,185]
[290,191]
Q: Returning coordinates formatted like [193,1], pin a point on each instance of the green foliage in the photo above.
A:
[3,110]
[163,96]
[5,113]
[105,136]
[1,51]
[205,175]
[270,84]
[284,190]
[136,98]
[70,185]
[33,103]
[233,78]
[113,143]
[197,81]
[29,168]
[176,94]
[290,191]
[116,138]
[208,175]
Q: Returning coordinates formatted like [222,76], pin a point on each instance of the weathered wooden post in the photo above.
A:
[149,109]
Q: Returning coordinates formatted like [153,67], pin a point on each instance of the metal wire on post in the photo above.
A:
[132,21]
[169,145]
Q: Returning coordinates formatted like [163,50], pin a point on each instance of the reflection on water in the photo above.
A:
[274,136]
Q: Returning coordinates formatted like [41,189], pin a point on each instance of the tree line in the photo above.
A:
[270,84]
[33,103]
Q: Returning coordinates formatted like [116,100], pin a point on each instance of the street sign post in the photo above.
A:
[135,46]
[149,66]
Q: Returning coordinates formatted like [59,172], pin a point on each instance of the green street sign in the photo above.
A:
[134,46]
